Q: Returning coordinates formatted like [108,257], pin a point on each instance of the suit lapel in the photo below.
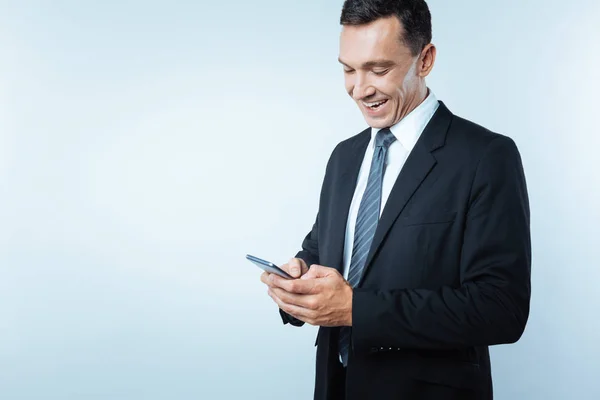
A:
[418,165]
[343,192]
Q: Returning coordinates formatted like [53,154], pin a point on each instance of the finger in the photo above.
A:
[311,274]
[295,267]
[301,300]
[278,281]
[298,286]
[300,313]
[304,268]
[283,305]
[275,280]
[264,278]
[319,271]
[267,279]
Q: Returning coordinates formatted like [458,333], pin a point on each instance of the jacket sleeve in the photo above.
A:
[491,306]
[310,255]
[310,245]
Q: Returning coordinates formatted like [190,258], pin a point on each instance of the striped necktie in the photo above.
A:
[366,224]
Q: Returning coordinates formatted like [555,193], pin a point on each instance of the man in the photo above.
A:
[420,255]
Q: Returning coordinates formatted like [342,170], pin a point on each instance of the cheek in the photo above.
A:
[397,84]
[399,95]
[389,88]
[349,84]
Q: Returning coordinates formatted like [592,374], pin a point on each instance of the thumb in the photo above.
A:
[295,267]
[316,271]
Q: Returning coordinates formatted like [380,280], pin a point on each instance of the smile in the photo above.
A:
[374,105]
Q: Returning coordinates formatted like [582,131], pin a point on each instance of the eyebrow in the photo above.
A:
[371,64]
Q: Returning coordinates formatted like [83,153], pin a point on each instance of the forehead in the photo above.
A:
[376,40]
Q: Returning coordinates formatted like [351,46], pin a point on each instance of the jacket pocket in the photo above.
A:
[456,374]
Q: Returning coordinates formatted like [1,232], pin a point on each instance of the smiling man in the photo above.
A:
[419,258]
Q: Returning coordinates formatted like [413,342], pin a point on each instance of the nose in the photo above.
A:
[362,88]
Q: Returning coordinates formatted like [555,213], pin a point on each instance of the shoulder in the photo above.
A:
[352,142]
[350,145]
[473,141]
[474,135]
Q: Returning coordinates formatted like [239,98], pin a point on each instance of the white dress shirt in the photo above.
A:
[407,131]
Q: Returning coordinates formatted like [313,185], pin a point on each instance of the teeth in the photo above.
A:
[374,104]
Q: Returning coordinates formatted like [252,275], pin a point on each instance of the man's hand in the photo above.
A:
[296,267]
[320,297]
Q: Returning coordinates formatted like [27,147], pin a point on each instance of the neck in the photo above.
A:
[415,102]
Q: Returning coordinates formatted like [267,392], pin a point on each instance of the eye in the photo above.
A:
[380,72]
[348,71]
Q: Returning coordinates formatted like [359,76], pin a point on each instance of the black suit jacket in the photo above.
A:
[448,273]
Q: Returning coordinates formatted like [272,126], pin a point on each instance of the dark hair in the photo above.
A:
[413,14]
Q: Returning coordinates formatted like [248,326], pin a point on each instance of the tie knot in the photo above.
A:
[384,138]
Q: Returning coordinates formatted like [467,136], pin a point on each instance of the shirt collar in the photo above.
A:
[408,130]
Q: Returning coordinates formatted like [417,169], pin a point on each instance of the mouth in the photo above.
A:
[375,106]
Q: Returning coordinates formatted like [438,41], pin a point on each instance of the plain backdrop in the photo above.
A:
[147,146]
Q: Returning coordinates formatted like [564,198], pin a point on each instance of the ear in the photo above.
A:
[427,60]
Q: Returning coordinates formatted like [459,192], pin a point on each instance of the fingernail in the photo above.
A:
[295,271]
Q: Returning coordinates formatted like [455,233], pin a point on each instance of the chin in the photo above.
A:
[377,123]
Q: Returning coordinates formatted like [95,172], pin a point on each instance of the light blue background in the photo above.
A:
[146,147]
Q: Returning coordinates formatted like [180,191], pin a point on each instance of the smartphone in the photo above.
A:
[268,266]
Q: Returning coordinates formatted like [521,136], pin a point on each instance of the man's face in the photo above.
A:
[380,72]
